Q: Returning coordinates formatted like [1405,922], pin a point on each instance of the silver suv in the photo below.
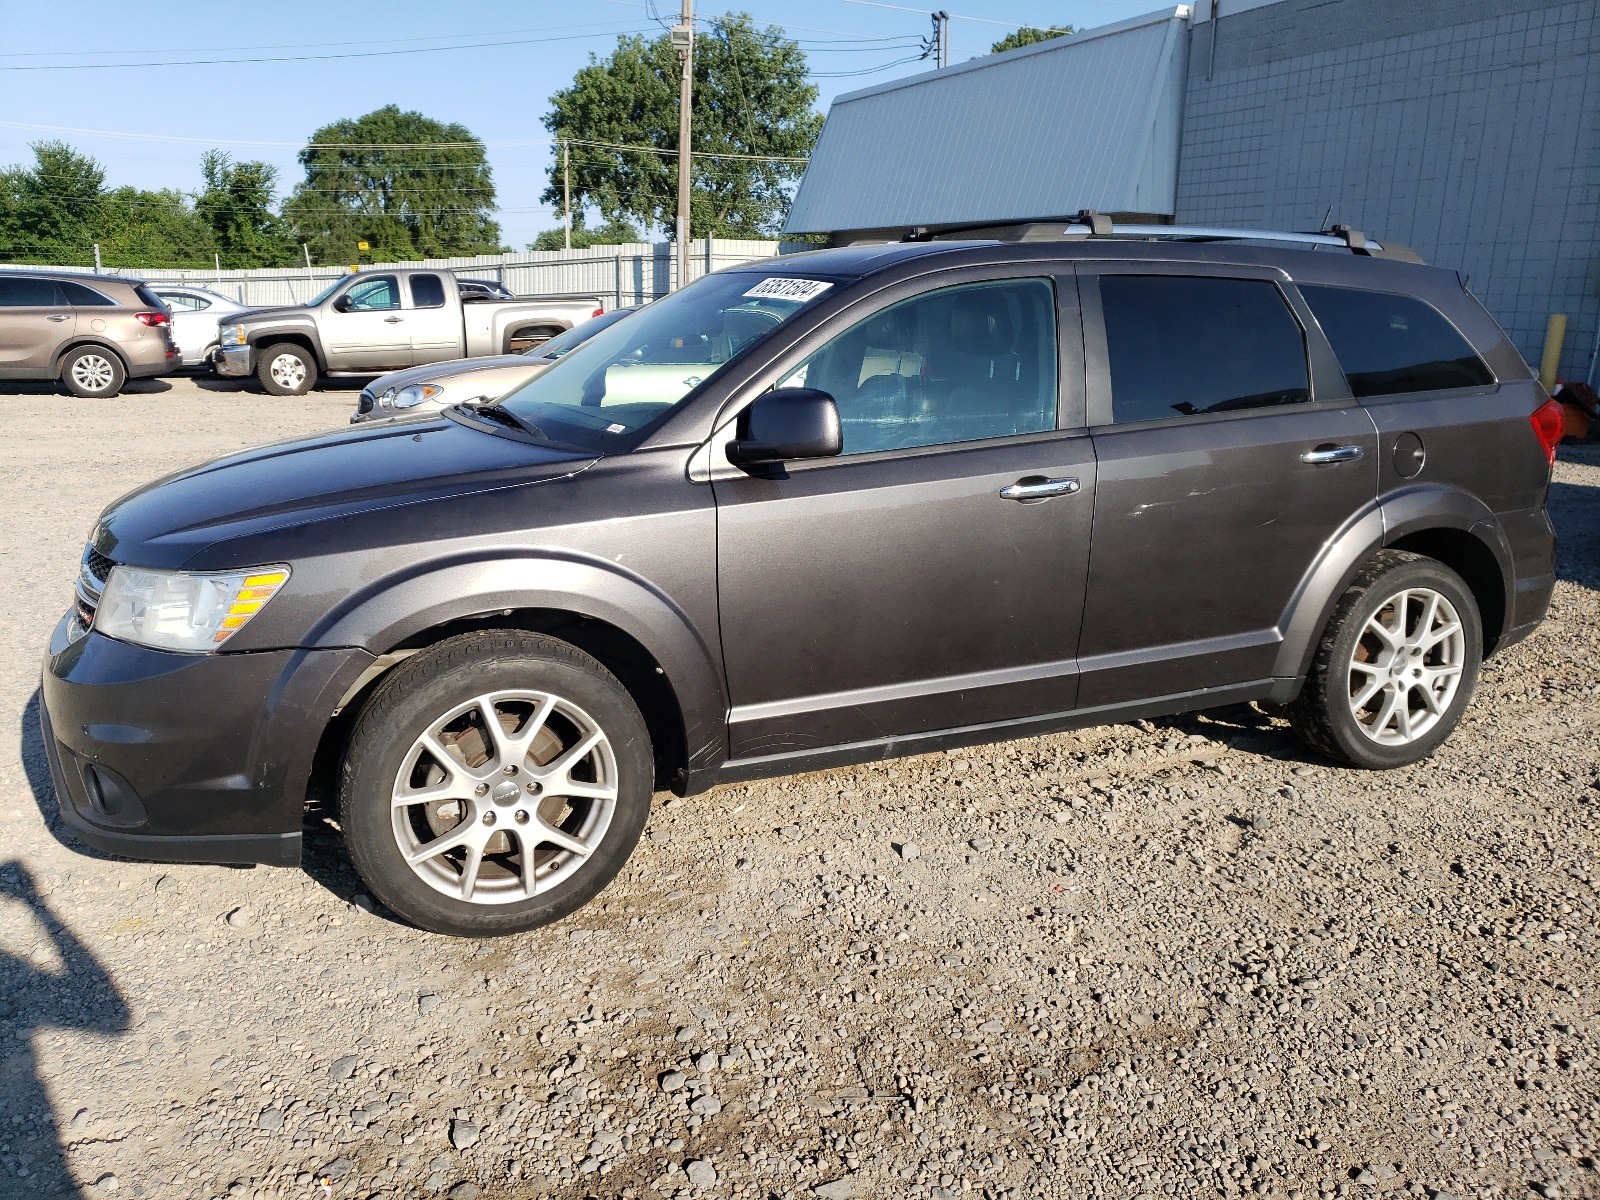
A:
[92,332]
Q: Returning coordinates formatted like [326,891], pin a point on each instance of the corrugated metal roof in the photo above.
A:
[1086,121]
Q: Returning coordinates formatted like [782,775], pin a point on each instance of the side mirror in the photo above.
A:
[785,424]
[342,304]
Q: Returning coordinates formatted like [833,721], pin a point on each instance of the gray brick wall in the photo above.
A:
[1468,129]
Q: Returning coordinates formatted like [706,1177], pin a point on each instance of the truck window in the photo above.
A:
[375,295]
[427,291]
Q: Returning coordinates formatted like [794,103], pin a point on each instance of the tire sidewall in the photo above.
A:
[418,693]
[1422,573]
[264,370]
[119,374]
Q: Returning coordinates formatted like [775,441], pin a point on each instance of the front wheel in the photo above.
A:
[1396,665]
[496,782]
[287,369]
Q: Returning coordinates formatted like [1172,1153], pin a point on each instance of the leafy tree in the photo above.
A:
[400,181]
[1027,36]
[612,233]
[750,97]
[236,206]
[150,229]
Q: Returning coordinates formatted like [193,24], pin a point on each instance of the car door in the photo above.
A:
[932,575]
[434,324]
[35,318]
[194,325]
[1230,452]
[365,327]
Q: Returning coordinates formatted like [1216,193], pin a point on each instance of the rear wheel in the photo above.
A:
[92,372]
[497,782]
[1396,665]
[287,369]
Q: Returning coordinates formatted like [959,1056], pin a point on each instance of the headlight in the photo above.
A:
[183,610]
[231,335]
[417,393]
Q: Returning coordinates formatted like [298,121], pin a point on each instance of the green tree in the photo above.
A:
[613,233]
[751,97]
[1027,36]
[408,185]
[236,207]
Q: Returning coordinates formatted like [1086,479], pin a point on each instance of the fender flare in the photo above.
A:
[308,334]
[78,343]
[393,610]
[1383,523]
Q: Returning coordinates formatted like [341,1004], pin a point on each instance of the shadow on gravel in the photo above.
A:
[30,749]
[1575,512]
[79,995]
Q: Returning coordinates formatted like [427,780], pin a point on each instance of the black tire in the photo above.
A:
[1324,714]
[420,694]
[282,379]
[93,372]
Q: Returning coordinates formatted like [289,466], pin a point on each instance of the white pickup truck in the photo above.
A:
[386,320]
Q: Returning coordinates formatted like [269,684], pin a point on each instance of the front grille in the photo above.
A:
[365,402]
[99,565]
[93,572]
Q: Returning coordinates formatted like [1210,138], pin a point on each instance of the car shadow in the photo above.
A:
[77,995]
[217,383]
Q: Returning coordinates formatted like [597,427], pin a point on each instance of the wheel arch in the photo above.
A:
[78,343]
[1438,521]
[545,325]
[260,343]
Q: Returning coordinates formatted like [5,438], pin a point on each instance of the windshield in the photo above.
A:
[327,291]
[577,335]
[628,375]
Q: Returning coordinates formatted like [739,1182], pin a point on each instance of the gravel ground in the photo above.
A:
[1177,957]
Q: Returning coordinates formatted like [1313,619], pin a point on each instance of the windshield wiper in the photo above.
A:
[501,421]
[501,415]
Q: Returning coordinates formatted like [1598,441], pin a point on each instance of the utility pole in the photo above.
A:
[943,19]
[97,258]
[683,42]
[566,194]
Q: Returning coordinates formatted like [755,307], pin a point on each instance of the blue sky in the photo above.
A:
[69,66]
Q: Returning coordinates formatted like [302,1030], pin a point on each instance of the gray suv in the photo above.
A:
[92,332]
[853,504]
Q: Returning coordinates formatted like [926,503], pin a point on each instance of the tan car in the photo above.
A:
[92,332]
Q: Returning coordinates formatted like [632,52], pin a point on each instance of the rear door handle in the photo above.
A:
[1323,455]
[56,317]
[393,320]
[1039,489]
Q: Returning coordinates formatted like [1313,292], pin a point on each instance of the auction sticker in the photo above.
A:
[776,288]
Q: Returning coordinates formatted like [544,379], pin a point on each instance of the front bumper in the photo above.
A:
[233,361]
[182,757]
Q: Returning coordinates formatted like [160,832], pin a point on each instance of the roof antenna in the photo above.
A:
[1323,228]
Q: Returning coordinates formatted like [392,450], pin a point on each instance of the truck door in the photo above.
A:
[365,328]
[433,322]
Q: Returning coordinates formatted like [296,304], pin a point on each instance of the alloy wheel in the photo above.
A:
[287,371]
[504,797]
[93,372]
[1406,666]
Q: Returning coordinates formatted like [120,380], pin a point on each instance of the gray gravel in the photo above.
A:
[1179,957]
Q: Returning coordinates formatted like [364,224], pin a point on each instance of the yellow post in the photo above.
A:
[1555,333]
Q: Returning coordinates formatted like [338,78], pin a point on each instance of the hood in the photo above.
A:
[269,314]
[171,522]
[441,371]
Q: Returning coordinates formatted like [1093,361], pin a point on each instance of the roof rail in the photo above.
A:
[1091,224]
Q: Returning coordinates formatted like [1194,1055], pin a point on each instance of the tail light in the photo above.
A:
[599,312]
[1548,422]
[151,318]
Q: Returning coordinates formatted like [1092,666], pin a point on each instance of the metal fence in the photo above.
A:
[618,275]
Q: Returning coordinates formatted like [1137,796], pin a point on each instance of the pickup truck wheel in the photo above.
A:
[1396,665]
[527,339]
[495,783]
[287,369]
[92,372]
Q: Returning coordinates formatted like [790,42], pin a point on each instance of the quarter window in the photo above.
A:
[183,301]
[1390,344]
[84,297]
[954,365]
[377,294]
[28,293]
[427,291]
[1187,345]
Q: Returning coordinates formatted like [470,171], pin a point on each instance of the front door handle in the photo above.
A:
[1034,488]
[1323,455]
[393,320]
[56,317]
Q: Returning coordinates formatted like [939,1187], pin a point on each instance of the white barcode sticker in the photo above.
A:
[615,428]
[776,288]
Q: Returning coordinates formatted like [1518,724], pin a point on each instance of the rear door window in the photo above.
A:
[1186,345]
[427,291]
[1390,344]
[28,293]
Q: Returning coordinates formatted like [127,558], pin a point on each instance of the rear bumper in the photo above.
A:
[233,361]
[179,757]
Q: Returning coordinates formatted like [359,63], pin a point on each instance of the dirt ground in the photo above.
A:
[1180,957]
